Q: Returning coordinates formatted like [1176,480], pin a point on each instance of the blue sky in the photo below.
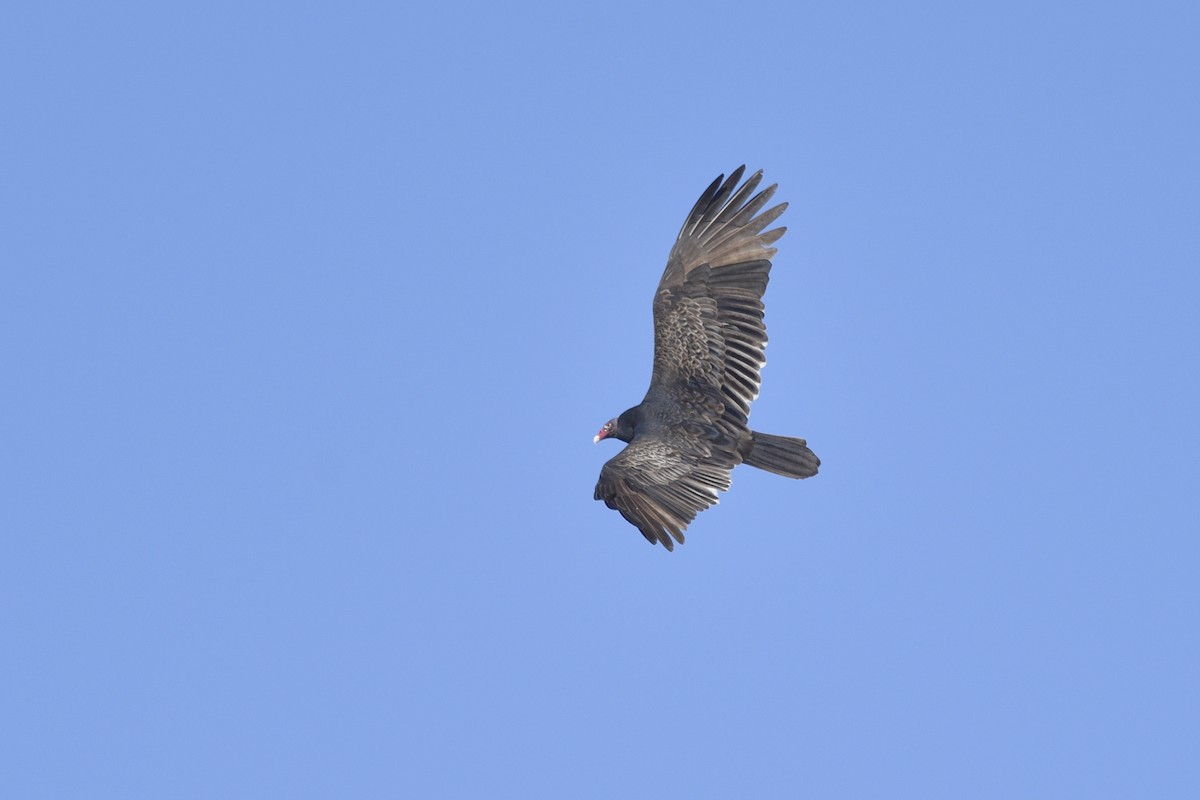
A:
[309,314]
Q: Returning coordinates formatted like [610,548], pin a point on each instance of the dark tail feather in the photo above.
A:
[782,455]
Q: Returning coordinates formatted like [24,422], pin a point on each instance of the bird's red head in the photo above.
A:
[606,431]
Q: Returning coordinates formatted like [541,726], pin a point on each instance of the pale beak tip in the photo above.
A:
[596,439]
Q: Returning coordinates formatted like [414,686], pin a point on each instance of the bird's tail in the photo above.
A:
[782,455]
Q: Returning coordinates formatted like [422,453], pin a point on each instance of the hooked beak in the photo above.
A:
[603,434]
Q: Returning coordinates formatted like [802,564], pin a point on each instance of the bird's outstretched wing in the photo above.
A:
[709,336]
[660,487]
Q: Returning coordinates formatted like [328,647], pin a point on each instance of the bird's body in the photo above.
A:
[691,429]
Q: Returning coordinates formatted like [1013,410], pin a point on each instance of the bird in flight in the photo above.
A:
[692,427]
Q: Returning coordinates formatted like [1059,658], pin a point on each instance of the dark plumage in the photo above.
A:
[691,429]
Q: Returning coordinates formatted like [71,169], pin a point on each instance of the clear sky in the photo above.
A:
[309,313]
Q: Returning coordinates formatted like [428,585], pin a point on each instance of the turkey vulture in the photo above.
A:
[692,428]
